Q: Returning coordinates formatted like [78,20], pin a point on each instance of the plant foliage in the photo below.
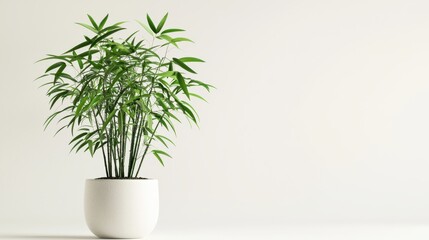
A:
[115,94]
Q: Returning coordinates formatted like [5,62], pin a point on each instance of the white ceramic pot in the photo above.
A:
[116,208]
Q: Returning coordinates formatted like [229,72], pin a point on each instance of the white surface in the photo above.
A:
[121,208]
[321,112]
[256,232]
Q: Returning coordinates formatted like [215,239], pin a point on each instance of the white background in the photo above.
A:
[320,113]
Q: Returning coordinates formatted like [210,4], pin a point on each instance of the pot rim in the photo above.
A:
[121,179]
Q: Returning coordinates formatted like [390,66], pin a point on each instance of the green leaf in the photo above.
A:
[92,22]
[87,53]
[172,30]
[67,76]
[191,108]
[161,23]
[80,106]
[59,72]
[204,85]
[159,158]
[130,36]
[146,28]
[88,27]
[110,28]
[182,65]
[91,147]
[81,146]
[57,97]
[197,96]
[78,137]
[108,120]
[182,84]
[190,59]
[164,140]
[149,122]
[103,22]
[59,130]
[52,116]
[188,112]
[182,39]
[55,65]
[78,59]
[157,154]
[62,58]
[161,153]
[173,116]
[151,25]
[105,35]
[119,23]
[168,39]
[167,74]
[79,46]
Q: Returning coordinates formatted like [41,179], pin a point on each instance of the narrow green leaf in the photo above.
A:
[192,109]
[78,137]
[183,65]
[188,112]
[55,65]
[182,84]
[103,22]
[109,28]
[130,36]
[105,35]
[182,39]
[78,59]
[205,85]
[91,147]
[172,30]
[168,39]
[119,23]
[161,140]
[197,96]
[59,130]
[52,116]
[65,58]
[159,158]
[161,23]
[59,72]
[87,53]
[190,59]
[170,124]
[146,28]
[151,25]
[88,27]
[57,97]
[79,46]
[161,153]
[108,120]
[149,122]
[92,22]
[173,116]
[81,146]
[164,140]
[167,74]
[80,106]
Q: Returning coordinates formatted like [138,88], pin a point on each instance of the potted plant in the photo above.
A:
[115,95]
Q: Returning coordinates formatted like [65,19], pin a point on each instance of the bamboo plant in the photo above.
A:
[115,94]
